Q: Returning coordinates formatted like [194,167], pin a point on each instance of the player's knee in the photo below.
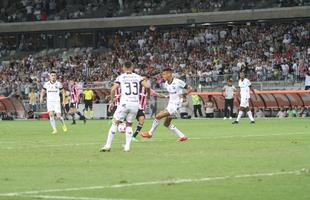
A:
[167,124]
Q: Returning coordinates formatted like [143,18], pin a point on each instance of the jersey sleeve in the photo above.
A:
[60,86]
[118,80]
[182,84]
[248,82]
[45,86]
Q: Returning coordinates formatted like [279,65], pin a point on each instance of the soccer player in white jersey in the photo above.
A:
[245,88]
[53,88]
[175,88]
[127,110]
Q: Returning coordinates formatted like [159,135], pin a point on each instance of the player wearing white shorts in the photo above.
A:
[53,88]
[245,88]
[130,84]
[175,89]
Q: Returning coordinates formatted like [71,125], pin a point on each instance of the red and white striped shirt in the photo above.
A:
[74,93]
[117,97]
[143,98]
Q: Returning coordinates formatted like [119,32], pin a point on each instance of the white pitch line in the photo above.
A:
[149,140]
[176,181]
[65,197]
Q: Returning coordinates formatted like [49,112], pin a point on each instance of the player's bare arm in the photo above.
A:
[42,95]
[112,95]
[63,92]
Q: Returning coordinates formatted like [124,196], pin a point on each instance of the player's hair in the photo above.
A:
[167,69]
[53,72]
[128,64]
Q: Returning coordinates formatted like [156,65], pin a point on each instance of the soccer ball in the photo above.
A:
[122,128]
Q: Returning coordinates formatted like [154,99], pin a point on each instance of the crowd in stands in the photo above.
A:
[41,10]
[203,55]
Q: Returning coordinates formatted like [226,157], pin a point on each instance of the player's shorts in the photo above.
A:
[173,108]
[53,107]
[140,114]
[126,112]
[74,105]
[244,102]
[67,107]
[88,104]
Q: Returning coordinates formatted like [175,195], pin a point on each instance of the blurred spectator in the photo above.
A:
[302,112]
[228,93]
[196,100]
[282,113]
[33,97]
[184,109]
[307,79]
[291,112]
[259,113]
[209,107]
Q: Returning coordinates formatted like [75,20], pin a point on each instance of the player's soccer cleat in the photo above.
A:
[235,122]
[126,148]
[230,118]
[105,149]
[135,139]
[224,118]
[146,134]
[252,122]
[73,123]
[64,128]
[54,131]
[182,139]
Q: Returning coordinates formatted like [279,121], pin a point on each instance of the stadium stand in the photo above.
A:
[41,10]
[274,53]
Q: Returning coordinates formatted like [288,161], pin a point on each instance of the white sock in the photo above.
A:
[239,115]
[250,115]
[128,137]
[62,121]
[175,130]
[154,126]
[52,121]
[111,134]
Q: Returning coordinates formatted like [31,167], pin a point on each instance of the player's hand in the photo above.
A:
[41,100]
[110,107]
[63,104]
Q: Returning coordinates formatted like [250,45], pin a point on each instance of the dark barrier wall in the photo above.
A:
[265,99]
[12,105]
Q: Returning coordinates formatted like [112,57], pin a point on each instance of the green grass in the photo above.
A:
[31,159]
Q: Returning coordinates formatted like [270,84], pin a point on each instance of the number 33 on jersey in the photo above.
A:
[130,88]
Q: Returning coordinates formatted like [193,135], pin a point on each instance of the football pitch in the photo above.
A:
[269,160]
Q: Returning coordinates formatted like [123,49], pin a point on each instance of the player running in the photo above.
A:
[175,89]
[130,84]
[144,96]
[52,88]
[245,88]
[74,101]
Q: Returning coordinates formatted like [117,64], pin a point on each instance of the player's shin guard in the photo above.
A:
[91,114]
[239,115]
[176,131]
[139,127]
[128,137]
[52,121]
[86,114]
[62,121]
[73,117]
[250,115]
[154,126]
[111,134]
